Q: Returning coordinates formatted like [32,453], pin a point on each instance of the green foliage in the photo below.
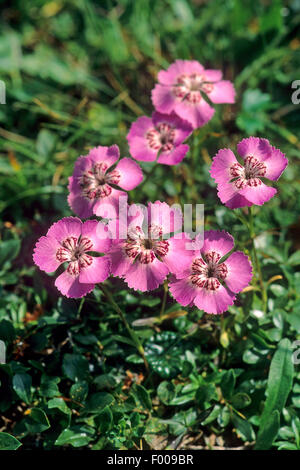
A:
[77,74]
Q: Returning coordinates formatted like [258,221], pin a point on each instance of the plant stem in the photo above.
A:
[131,332]
[164,301]
[256,261]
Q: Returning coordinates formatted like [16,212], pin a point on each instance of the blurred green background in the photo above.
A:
[77,73]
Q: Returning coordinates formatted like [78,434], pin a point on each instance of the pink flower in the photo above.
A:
[92,188]
[184,89]
[160,136]
[209,284]
[146,256]
[241,185]
[71,241]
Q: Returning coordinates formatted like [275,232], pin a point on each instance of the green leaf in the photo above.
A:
[7,331]
[294,259]
[75,438]
[60,404]
[224,417]
[163,353]
[9,250]
[279,385]
[98,401]
[143,396]
[49,386]
[213,414]
[156,433]
[240,400]
[251,357]
[21,385]
[166,392]
[268,432]
[105,420]
[286,446]
[228,384]
[105,381]
[75,366]
[253,116]
[8,442]
[244,428]
[280,380]
[181,421]
[79,391]
[37,421]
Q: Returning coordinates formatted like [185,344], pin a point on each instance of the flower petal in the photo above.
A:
[175,156]
[214,301]
[231,197]
[178,258]
[108,207]
[131,174]
[220,169]
[213,75]
[98,233]
[182,127]
[163,99]
[139,128]
[219,241]
[179,67]
[276,162]
[145,277]
[164,216]
[140,150]
[71,287]
[98,271]
[44,254]
[183,291]
[82,206]
[222,92]
[108,155]
[239,271]
[120,262]
[258,194]
[64,228]
[197,114]
[82,164]
[254,146]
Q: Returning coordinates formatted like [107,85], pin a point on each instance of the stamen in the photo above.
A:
[249,174]
[95,183]
[162,137]
[144,249]
[189,87]
[75,253]
[161,247]
[208,274]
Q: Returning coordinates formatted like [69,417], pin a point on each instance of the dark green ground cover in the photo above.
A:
[77,73]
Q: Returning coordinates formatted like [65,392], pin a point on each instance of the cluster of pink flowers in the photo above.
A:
[209,275]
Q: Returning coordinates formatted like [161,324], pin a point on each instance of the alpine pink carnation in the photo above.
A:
[241,185]
[92,186]
[148,253]
[159,137]
[186,87]
[71,241]
[209,283]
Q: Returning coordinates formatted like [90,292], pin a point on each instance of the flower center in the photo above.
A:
[208,273]
[162,137]
[74,252]
[189,87]
[249,174]
[95,183]
[143,249]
